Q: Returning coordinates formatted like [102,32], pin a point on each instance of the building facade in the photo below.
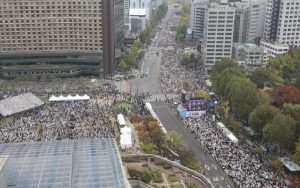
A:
[271,19]
[255,29]
[126,12]
[137,18]
[248,53]
[198,9]
[142,4]
[273,48]
[218,34]
[59,38]
[288,31]
[240,21]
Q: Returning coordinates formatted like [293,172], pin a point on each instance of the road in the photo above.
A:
[212,170]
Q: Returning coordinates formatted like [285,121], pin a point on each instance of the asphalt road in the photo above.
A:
[211,168]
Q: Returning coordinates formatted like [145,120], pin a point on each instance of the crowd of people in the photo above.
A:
[241,164]
[68,120]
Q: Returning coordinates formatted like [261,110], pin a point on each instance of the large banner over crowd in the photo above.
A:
[196,104]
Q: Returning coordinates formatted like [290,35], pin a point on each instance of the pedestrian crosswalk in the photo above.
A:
[161,97]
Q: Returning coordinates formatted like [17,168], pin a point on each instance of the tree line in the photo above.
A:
[267,99]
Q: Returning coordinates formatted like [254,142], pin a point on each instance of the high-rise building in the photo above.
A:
[60,38]
[240,20]
[271,19]
[288,31]
[142,4]
[218,33]
[255,26]
[282,22]
[198,9]
[126,11]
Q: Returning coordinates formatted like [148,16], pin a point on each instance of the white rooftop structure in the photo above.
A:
[121,120]
[62,98]
[289,164]
[19,103]
[227,132]
[137,12]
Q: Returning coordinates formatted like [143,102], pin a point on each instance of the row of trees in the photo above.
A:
[149,32]
[189,59]
[154,140]
[130,57]
[282,70]
[184,21]
[275,114]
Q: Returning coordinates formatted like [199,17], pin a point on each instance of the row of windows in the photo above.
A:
[96,42]
[44,15]
[11,3]
[51,49]
[54,20]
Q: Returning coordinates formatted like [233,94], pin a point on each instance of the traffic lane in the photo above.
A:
[212,170]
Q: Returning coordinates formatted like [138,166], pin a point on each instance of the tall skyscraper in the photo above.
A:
[218,33]
[288,31]
[60,38]
[142,4]
[271,19]
[255,26]
[240,21]
[197,17]
[282,22]
[126,11]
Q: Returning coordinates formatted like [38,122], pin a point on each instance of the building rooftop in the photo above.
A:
[19,103]
[137,12]
[248,47]
[64,163]
[275,43]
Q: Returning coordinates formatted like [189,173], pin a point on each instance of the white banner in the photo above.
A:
[196,113]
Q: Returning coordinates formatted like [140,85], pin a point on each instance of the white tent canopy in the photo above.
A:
[121,119]
[153,114]
[62,98]
[125,130]
[126,141]
[227,132]
[232,138]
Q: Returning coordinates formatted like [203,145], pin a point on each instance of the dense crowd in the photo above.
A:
[237,160]
[241,164]
[67,120]
[174,77]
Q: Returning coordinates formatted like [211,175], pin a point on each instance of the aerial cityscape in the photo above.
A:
[150,93]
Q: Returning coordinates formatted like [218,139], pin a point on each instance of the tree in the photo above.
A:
[263,97]
[221,81]
[149,148]
[122,65]
[220,66]
[297,152]
[243,97]
[262,115]
[174,141]
[185,58]
[201,94]
[260,77]
[281,130]
[286,94]
[188,159]
[186,8]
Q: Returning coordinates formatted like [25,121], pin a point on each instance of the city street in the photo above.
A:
[171,122]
